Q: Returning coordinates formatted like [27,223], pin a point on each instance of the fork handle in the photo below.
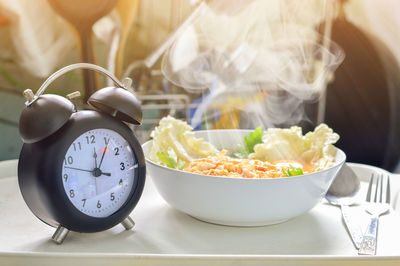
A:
[368,244]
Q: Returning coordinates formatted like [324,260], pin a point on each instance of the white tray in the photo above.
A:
[163,235]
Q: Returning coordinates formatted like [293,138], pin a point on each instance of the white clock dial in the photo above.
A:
[98,172]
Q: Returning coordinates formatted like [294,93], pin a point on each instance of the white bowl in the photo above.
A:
[240,201]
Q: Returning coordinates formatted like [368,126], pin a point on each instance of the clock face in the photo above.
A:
[98,172]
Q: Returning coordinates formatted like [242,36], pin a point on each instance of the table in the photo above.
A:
[163,235]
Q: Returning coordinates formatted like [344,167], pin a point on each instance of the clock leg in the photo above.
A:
[128,223]
[60,234]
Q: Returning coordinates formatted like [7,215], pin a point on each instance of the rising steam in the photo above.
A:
[267,55]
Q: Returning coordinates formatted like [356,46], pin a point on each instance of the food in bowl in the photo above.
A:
[275,153]
[222,165]
[230,200]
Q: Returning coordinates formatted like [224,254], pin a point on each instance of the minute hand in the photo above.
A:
[104,152]
[78,169]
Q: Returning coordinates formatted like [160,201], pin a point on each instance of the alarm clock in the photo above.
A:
[81,170]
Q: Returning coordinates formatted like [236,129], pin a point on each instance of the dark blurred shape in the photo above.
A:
[362,101]
[82,15]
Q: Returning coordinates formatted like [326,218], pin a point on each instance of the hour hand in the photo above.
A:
[95,157]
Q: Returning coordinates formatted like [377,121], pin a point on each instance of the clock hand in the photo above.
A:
[90,171]
[95,184]
[104,152]
[95,157]
[94,170]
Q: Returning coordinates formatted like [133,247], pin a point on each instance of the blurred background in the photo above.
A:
[218,64]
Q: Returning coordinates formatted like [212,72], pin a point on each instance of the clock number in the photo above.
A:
[65,177]
[98,204]
[90,140]
[106,140]
[69,160]
[71,193]
[79,146]
[116,151]
[112,197]
[84,202]
[122,166]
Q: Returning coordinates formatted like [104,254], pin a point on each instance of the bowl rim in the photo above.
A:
[147,143]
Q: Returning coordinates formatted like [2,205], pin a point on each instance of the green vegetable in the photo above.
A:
[171,160]
[292,171]
[249,142]
[167,160]
[253,139]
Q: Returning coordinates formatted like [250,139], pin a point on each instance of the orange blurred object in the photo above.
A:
[3,21]
[127,10]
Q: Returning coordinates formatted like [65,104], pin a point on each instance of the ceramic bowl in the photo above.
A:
[239,201]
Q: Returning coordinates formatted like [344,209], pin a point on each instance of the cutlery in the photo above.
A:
[375,206]
[343,193]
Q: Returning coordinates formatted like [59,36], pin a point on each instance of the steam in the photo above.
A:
[269,57]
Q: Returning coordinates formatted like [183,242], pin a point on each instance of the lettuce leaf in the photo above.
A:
[293,171]
[178,135]
[171,160]
[254,138]
[315,147]
[249,142]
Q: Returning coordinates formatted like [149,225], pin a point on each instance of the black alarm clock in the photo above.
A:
[83,170]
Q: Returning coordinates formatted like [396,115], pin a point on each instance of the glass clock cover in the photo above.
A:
[98,172]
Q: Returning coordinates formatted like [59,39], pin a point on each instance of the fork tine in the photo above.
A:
[370,187]
[388,190]
[381,189]
[376,189]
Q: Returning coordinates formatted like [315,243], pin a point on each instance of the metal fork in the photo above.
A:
[376,206]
